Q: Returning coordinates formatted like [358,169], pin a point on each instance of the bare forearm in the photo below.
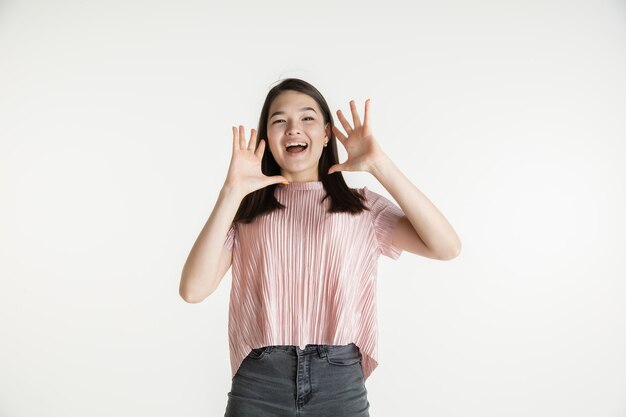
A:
[432,227]
[199,273]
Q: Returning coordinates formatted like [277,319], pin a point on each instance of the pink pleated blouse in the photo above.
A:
[303,276]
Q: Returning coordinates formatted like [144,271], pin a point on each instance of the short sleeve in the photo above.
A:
[385,215]
[230,237]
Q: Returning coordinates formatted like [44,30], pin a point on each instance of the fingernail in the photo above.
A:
[285,182]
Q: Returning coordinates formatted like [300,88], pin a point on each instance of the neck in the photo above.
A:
[307,185]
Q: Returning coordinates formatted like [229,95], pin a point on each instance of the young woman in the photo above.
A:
[304,248]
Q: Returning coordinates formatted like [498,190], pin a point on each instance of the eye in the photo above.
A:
[281,120]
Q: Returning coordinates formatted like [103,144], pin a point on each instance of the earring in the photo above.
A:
[325,144]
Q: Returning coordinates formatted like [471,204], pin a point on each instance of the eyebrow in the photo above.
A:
[302,109]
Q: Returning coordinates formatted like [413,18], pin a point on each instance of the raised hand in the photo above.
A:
[244,173]
[363,150]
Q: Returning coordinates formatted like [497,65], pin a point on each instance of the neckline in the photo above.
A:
[308,185]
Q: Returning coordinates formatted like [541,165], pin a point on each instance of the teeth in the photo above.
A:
[295,143]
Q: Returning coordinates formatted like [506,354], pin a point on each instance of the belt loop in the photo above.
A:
[322,350]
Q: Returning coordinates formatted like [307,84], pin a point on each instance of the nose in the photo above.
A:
[293,130]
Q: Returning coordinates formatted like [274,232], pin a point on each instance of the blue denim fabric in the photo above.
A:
[286,381]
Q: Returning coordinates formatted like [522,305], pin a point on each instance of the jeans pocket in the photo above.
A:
[258,353]
[343,355]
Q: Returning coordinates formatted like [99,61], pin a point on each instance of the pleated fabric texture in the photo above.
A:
[303,276]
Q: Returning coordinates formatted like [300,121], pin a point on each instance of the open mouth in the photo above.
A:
[296,148]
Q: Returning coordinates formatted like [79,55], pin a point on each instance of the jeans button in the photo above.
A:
[302,347]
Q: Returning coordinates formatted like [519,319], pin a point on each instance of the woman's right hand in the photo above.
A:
[244,173]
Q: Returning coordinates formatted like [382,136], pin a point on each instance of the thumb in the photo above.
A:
[335,168]
[278,178]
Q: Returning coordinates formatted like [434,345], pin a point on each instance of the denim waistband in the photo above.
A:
[308,349]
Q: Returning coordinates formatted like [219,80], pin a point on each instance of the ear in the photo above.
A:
[327,128]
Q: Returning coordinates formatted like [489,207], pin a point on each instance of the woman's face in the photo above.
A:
[295,117]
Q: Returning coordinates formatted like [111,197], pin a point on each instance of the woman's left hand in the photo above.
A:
[363,150]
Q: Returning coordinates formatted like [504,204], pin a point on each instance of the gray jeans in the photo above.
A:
[286,381]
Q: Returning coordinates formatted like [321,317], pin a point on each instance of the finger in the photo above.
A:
[366,118]
[355,114]
[242,137]
[259,150]
[252,143]
[344,122]
[235,138]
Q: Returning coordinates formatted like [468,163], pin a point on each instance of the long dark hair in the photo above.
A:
[343,198]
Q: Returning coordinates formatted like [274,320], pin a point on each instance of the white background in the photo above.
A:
[115,138]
